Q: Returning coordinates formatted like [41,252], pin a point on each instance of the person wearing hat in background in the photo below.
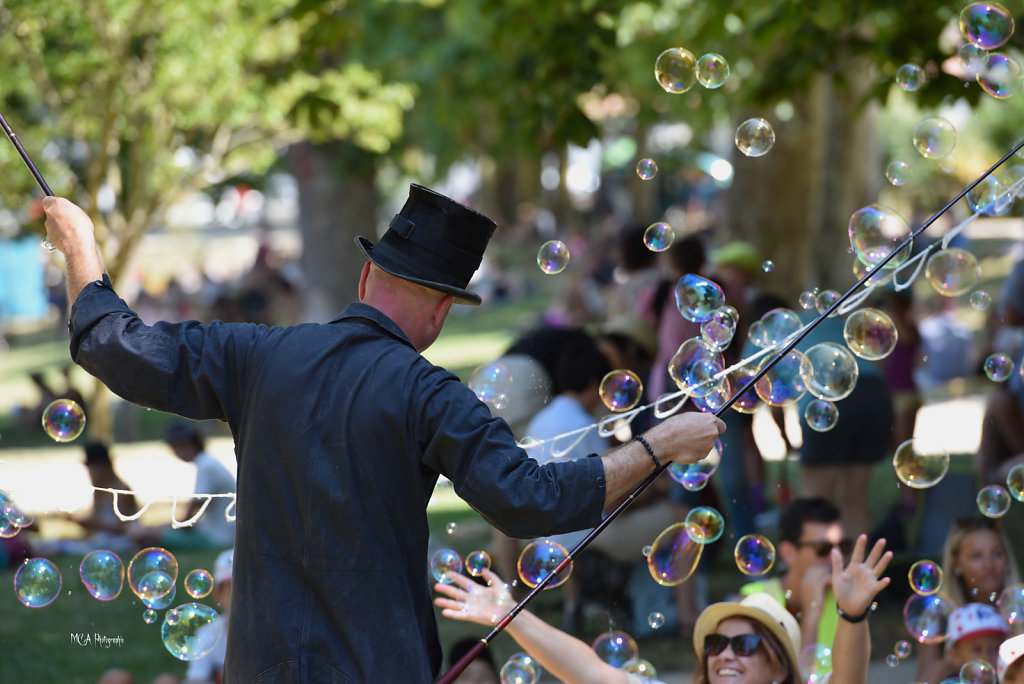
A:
[1011,661]
[210,668]
[341,432]
[974,633]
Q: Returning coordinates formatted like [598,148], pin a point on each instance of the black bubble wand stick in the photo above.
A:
[31,167]
[456,669]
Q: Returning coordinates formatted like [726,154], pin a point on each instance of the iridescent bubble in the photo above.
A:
[861,270]
[444,563]
[918,466]
[748,402]
[902,649]
[37,582]
[934,137]
[646,551]
[767,265]
[539,559]
[980,300]
[783,384]
[821,415]
[755,137]
[520,668]
[162,602]
[149,616]
[13,515]
[910,77]
[870,334]
[704,524]
[620,390]
[198,583]
[152,559]
[993,501]
[972,58]
[1015,482]
[695,366]
[876,231]
[676,70]
[656,620]
[832,371]
[712,70]
[102,573]
[989,197]
[674,555]
[755,333]
[986,24]
[646,168]
[491,382]
[694,476]
[927,617]
[659,236]
[1011,603]
[998,367]
[63,420]
[779,325]
[892,660]
[813,662]
[899,172]
[155,585]
[553,257]
[191,630]
[826,298]
[615,647]
[450,528]
[719,329]
[697,297]
[977,672]
[754,554]
[477,562]
[952,272]
[715,398]
[641,667]
[925,577]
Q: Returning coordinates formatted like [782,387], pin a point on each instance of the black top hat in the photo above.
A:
[435,242]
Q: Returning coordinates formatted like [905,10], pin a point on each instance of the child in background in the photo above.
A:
[210,668]
[975,632]
[1011,662]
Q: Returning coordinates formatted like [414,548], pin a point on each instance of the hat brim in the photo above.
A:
[708,620]
[461,296]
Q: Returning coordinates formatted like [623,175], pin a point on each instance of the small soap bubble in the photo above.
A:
[1011,603]
[1015,482]
[520,669]
[646,168]
[198,583]
[899,172]
[615,647]
[934,137]
[926,618]
[641,667]
[977,672]
[450,528]
[704,524]
[783,384]
[892,660]
[620,390]
[161,602]
[993,501]
[821,415]
[694,476]
[832,371]
[918,466]
[102,573]
[191,631]
[718,330]
[755,137]
[972,58]
[952,272]
[553,257]
[491,382]
[149,616]
[925,577]
[155,585]
[444,563]
[807,300]
[754,554]
[63,420]
[712,70]
[870,334]
[477,562]
[876,231]
[539,559]
[998,367]
[656,620]
[172,617]
[902,649]
[37,582]
[980,300]
[676,70]
[674,555]
[767,265]
[987,25]
[826,298]
[646,551]
[697,297]
[779,324]
[910,77]
[146,561]
[659,236]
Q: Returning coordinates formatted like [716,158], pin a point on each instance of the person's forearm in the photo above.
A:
[563,655]
[851,651]
[83,266]
[624,468]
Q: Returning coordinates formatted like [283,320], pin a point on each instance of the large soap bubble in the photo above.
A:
[191,630]
[927,617]
[695,367]
[870,334]
[37,582]
[491,382]
[553,257]
[755,137]
[697,297]
[934,137]
[704,524]
[918,466]
[147,561]
[615,648]
[833,371]
[952,272]
[987,25]
[925,577]
[620,390]
[821,415]
[520,669]
[102,573]
[712,70]
[674,555]
[754,554]
[1001,77]
[875,231]
[783,384]
[445,563]
[539,559]
[778,325]
[993,501]
[63,420]
[676,70]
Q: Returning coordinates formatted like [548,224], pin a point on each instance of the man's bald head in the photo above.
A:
[418,310]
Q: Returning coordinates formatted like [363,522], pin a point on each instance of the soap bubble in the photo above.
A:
[659,236]
[704,524]
[149,616]
[695,366]
[934,137]
[870,334]
[450,528]
[875,231]
[977,672]
[998,367]
[755,137]
[892,660]
[972,58]
[477,562]
[821,415]
[102,573]
[980,300]
[927,617]
[191,631]
[779,325]
[826,298]
[698,297]
[491,382]
[694,476]
[198,583]
[712,70]
[910,77]
[925,577]
[767,265]
[952,272]
[755,333]
[161,602]
[646,168]
[37,582]
[615,647]
[1001,77]
[807,299]
[783,384]
[620,390]
[812,662]
[902,649]
[920,467]
[674,555]
[986,24]
[63,420]
[861,270]
[154,585]
[641,667]
[754,554]
[656,620]
[832,371]
[899,172]
[748,402]
[676,70]
[993,501]
[553,257]
[146,561]
[539,559]
[1015,482]
[520,668]
[444,563]
[989,197]
[719,329]
[1011,603]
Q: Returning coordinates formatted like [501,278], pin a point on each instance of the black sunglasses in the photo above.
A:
[742,644]
[823,548]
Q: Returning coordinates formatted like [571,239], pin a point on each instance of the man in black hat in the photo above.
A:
[341,431]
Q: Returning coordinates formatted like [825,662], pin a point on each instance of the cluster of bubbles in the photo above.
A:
[12,518]
[63,420]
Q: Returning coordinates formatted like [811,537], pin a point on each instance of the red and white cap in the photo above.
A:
[1010,652]
[975,620]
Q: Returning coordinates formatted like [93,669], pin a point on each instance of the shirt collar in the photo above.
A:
[376,316]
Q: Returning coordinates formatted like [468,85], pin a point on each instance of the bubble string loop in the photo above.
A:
[176,524]
[460,665]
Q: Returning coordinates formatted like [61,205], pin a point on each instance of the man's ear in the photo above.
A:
[441,311]
[787,552]
[362,280]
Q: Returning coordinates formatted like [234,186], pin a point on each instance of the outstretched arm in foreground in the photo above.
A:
[855,587]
